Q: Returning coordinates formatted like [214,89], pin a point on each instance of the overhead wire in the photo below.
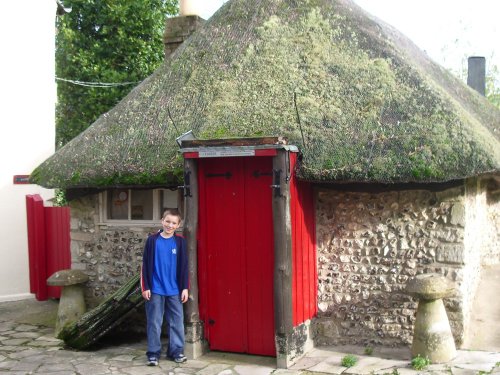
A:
[96,84]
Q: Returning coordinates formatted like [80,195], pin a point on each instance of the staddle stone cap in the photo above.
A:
[67,277]
[430,286]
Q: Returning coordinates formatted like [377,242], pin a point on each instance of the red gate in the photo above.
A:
[48,245]
[236,254]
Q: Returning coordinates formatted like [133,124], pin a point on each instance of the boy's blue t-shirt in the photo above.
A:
[165,272]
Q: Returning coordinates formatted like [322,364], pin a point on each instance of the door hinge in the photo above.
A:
[187,184]
[276,186]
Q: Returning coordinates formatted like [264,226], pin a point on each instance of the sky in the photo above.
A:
[447,30]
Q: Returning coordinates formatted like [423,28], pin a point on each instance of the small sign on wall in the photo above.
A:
[21,179]
[218,153]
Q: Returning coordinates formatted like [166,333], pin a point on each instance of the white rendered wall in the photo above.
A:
[27,127]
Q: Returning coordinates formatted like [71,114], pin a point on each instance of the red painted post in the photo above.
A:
[304,292]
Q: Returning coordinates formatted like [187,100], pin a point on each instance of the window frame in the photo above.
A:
[103,208]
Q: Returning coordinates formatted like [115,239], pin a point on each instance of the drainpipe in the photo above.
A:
[178,29]
[476,74]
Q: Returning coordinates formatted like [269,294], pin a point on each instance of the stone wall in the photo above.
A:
[491,235]
[370,244]
[110,255]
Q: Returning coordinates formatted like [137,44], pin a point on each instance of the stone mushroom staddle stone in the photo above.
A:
[432,337]
[72,302]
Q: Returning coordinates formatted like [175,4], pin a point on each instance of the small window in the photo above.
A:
[133,205]
[118,201]
[142,205]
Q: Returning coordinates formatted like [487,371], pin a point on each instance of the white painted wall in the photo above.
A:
[27,127]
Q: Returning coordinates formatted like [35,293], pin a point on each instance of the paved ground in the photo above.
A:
[27,346]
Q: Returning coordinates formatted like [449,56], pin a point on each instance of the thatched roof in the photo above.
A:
[370,105]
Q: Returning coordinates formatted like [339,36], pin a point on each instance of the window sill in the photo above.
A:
[129,223]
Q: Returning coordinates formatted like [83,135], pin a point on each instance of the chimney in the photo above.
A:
[190,7]
[178,29]
[476,74]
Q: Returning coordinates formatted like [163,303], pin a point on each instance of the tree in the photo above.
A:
[107,41]
[493,86]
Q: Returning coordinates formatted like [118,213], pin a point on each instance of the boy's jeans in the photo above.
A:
[170,307]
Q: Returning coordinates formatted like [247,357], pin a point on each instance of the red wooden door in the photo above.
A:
[236,254]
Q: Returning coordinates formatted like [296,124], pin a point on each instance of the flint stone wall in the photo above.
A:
[109,255]
[370,244]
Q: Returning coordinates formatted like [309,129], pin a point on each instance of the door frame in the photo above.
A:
[288,348]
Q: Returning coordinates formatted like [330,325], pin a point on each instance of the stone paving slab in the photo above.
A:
[376,366]
[331,365]
[459,371]
[253,370]
[30,349]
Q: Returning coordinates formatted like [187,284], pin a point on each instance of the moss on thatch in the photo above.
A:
[372,107]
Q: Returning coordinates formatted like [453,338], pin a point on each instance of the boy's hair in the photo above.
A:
[172,212]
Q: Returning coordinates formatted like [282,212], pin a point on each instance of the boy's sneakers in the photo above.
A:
[152,361]
[181,358]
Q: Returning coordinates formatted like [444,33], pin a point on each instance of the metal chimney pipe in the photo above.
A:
[476,74]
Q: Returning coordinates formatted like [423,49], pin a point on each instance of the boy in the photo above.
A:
[164,283]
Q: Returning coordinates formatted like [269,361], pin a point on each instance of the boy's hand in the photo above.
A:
[184,295]
[146,295]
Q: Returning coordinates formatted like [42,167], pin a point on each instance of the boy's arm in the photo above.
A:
[185,292]
[184,268]
[145,271]
[146,293]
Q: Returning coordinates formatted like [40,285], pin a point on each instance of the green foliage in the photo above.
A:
[104,41]
[60,198]
[419,363]
[368,350]
[349,360]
